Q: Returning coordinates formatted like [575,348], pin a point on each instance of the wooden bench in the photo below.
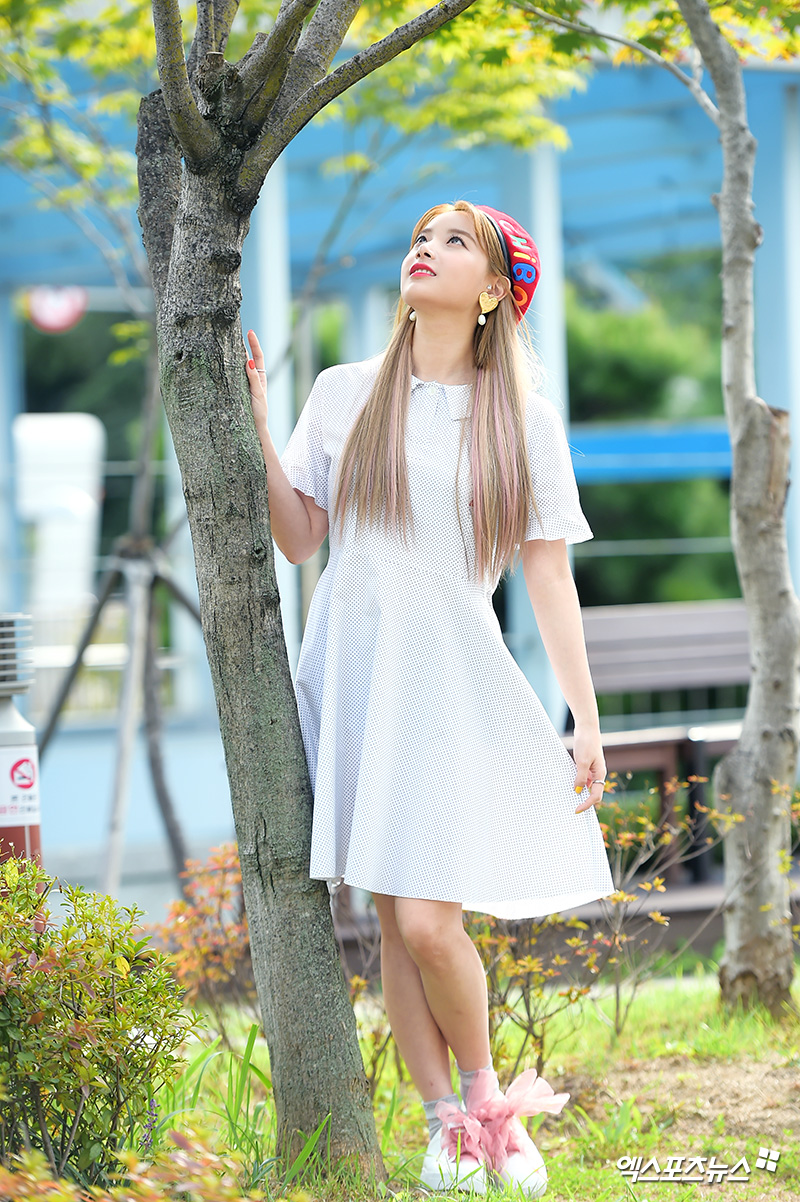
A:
[668,645]
[663,647]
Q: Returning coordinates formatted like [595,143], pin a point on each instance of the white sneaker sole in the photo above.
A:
[473,1182]
[532,1183]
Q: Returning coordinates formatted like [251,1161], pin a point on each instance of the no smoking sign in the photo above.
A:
[19,786]
[23,774]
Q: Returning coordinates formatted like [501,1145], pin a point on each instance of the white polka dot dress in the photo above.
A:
[435,770]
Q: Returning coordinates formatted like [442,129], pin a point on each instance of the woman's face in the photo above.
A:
[445,269]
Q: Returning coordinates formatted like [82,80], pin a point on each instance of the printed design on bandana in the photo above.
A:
[523,255]
[524,262]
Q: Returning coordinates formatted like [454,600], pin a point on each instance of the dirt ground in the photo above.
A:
[736,1103]
[758,1100]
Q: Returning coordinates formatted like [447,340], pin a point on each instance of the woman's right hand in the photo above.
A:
[257,379]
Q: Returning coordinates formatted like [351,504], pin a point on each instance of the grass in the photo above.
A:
[685,1078]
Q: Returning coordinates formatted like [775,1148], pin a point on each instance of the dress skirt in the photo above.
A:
[435,769]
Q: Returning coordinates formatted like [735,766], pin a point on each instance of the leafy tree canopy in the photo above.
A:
[484,77]
[768,31]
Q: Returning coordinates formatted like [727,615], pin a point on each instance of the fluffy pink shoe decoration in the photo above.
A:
[461,1132]
[499,1133]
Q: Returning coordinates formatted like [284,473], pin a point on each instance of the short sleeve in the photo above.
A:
[554,486]
[304,460]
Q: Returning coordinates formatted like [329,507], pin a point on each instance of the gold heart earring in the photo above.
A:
[487,303]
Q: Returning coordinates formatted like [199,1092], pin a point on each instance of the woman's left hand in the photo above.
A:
[587,751]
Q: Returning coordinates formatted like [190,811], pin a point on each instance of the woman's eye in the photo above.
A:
[422,238]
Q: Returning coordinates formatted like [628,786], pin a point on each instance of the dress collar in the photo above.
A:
[458,396]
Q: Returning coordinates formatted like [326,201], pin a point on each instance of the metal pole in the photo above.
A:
[138,575]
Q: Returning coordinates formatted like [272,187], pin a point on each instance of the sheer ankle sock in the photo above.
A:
[434,1122]
[465,1079]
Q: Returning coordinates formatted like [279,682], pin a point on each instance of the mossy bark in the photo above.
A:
[308,1019]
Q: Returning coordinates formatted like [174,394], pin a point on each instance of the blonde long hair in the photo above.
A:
[373,464]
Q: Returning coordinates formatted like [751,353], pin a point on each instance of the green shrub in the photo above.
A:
[91,1022]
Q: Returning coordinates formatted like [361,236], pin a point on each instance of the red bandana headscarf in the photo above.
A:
[522,257]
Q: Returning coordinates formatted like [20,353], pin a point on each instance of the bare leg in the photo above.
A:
[434,990]
[452,976]
[421,1043]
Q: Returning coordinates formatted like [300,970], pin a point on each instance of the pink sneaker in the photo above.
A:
[453,1159]
[500,1139]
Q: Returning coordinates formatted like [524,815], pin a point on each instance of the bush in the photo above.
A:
[207,938]
[191,1172]
[91,1021]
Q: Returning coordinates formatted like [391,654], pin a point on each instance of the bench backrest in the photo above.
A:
[670,645]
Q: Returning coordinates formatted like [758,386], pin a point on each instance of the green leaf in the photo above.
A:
[387,1126]
[496,56]
[341,164]
[304,1153]
[569,42]
[243,1070]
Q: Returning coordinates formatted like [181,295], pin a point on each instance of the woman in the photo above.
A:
[439,782]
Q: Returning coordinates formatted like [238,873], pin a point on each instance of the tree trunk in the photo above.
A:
[308,1020]
[757,777]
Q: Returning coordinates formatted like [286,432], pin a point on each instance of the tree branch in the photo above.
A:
[95,189]
[205,37]
[214,21]
[717,53]
[692,83]
[46,105]
[741,234]
[106,587]
[266,69]
[281,129]
[198,140]
[321,39]
[87,227]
